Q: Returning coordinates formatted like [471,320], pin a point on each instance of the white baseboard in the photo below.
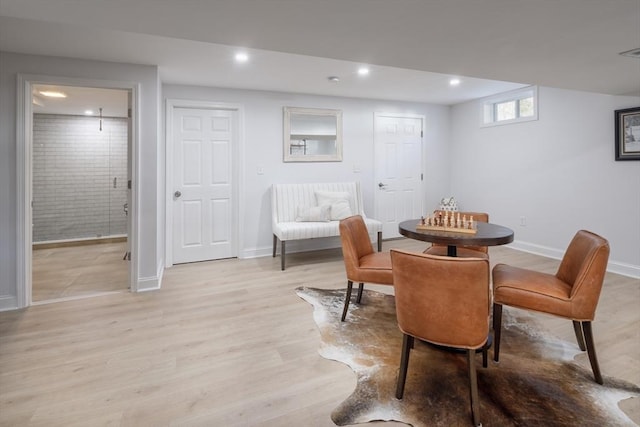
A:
[256,253]
[301,245]
[8,302]
[617,267]
[624,269]
[294,246]
[151,283]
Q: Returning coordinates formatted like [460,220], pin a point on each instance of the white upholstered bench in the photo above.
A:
[310,211]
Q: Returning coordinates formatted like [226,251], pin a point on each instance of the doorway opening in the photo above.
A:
[75,170]
[79,192]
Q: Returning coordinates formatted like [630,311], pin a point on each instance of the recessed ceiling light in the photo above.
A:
[88,112]
[454,82]
[363,71]
[333,79]
[53,94]
[241,57]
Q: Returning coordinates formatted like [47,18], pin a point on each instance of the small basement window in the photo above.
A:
[515,106]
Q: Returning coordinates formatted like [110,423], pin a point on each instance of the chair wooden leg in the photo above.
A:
[407,345]
[282,252]
[591,351]
[473,388]
[497,326]
[379,241]
[485,350]
[577,328]
[347,298]
[360,288]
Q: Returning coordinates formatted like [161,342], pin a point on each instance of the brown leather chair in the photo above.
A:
[572,293]
[445,301]
[361,262]
[463,251]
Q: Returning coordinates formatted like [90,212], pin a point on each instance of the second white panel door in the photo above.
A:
[398,170]
[203,204]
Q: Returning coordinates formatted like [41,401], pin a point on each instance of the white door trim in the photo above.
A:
[24,150]
[237,165]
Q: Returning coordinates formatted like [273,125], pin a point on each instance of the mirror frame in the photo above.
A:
[288,157]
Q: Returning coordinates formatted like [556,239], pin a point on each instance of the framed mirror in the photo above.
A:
[312,135]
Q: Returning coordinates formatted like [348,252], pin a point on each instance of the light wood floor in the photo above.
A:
[226,343]
[79,271]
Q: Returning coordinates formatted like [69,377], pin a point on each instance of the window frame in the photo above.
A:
[489,106]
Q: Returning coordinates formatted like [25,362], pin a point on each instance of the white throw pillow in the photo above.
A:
[339,202]
[313,213]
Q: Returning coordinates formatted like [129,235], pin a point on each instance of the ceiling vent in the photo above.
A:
[633,53]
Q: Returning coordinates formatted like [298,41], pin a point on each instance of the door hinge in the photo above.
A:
[421,134]
[421,177]
[129,184]
[129,113]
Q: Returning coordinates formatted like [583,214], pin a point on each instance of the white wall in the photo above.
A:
[11,64]
[558,172]
[263,125]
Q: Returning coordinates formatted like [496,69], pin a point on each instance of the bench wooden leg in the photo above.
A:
[275,243]
[379,241]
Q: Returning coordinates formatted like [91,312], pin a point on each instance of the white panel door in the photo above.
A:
[398,171]
[203,205]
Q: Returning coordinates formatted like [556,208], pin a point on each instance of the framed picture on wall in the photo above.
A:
[628,134]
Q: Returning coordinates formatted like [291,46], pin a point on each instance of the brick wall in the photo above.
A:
[74,166]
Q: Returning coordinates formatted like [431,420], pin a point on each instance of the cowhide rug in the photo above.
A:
[536,382]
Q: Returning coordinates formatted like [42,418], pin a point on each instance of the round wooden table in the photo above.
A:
[488,235]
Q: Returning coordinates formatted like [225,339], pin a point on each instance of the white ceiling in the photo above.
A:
[412,47]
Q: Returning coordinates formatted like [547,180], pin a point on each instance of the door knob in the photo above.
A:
[177,194]
[381,185]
